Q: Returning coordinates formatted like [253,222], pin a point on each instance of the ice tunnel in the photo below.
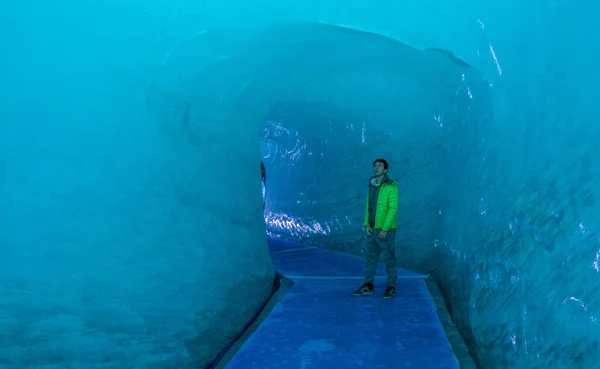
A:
[131,228]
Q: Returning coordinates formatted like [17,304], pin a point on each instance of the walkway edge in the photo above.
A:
[284,285]
[457,342]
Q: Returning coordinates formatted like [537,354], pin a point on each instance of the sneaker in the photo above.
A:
[365,289]
[389,292]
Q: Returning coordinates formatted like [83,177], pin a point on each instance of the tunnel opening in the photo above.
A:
[300,159]
[357,96]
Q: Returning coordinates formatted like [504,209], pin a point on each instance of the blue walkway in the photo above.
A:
[319,324]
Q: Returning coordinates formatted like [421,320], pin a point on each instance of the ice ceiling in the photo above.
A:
[130,141]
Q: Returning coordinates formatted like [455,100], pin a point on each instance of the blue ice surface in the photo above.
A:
[319,324]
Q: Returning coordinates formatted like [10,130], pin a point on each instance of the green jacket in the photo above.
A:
[387,207]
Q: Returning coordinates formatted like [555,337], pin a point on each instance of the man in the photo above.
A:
[380,225]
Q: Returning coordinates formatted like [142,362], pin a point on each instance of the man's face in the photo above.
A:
[378,169]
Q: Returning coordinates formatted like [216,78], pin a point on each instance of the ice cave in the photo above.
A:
[133,232]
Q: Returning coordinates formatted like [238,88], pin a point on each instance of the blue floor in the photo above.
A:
[319,324]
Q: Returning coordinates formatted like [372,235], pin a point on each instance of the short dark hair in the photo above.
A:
[382,161]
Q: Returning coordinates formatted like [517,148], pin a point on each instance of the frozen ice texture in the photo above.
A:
[124,243]
[130,207]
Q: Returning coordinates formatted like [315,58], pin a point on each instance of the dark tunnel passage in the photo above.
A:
[131,212]
[263,178]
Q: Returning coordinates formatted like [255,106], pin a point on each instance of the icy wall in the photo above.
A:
[520,238]
[124,243]
[130,202]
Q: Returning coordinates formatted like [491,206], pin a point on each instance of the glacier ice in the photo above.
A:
[130,210]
